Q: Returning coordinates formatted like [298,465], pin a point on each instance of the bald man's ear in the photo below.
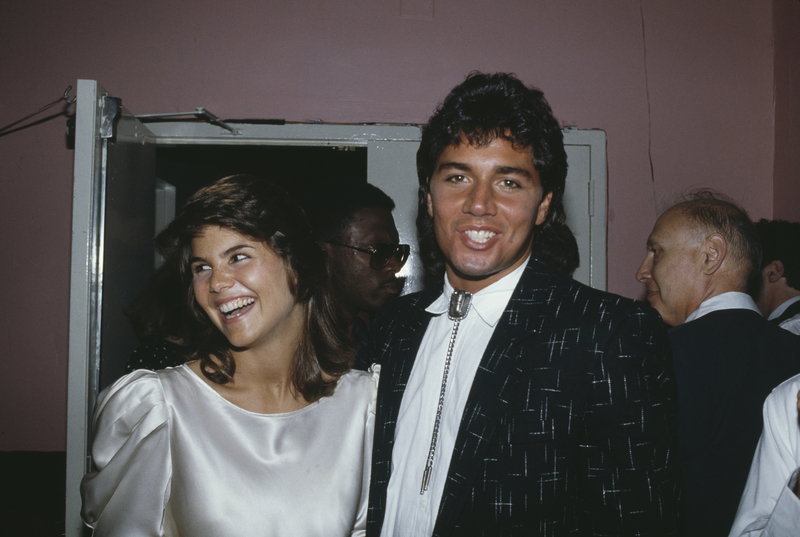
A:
[714,251]
[774,271]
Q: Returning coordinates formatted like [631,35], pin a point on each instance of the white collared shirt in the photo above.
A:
[780,309]
[732,300]
[792,324]
[409,513]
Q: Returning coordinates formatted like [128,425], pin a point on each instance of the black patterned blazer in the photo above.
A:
[570,425]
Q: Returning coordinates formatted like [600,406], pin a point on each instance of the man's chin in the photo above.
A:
[475,268]
[654,300]
[665,315]
[476,273]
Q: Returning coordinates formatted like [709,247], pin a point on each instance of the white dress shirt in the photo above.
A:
[726,301]
[791,324]
[780,309]
[769,507]
[409,513]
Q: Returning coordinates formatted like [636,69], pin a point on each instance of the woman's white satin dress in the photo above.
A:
[174,457]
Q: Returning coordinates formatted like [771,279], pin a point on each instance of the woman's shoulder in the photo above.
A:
[130,391]
[366,380]
[138,394]
[141,383]
[128,411]
[357,384]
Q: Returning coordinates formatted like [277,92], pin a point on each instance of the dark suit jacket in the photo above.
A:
[570,424]
[726,363]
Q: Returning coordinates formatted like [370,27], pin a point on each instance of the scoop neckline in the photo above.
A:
[187,370]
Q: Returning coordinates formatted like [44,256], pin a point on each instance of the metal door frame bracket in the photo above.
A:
[200,113]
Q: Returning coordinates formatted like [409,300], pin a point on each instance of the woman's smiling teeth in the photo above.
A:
[231,309]
[480,236]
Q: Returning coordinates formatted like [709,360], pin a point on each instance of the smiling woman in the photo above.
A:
[243,288]
[215,446]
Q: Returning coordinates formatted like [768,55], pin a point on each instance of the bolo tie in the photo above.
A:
[459,307]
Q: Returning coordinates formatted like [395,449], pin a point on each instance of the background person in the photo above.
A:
[265,432]
[354,224]
[162,322]
[702,260]
[779,299]
[770,505]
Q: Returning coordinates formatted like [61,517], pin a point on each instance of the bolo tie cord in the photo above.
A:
[459,307]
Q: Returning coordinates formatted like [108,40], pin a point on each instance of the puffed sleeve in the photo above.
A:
[128,492]
[360,528]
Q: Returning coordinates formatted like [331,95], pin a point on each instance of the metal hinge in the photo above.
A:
[109,116]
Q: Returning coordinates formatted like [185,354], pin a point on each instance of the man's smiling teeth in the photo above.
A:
[236,304]
[480,235]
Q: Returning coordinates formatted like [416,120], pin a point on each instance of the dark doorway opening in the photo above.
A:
[300,169]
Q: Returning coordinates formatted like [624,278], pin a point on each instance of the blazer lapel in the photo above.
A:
[494,382]
[396,367]
[407,330]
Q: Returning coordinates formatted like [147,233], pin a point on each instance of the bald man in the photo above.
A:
[703,257]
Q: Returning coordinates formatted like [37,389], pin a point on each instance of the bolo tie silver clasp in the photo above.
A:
[459,305]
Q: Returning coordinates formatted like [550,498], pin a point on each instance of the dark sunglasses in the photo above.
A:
[381,254]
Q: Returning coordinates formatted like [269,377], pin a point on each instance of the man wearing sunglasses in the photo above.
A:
[354,223]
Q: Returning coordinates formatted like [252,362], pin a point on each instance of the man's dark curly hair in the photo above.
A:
[479,110]
[780,240]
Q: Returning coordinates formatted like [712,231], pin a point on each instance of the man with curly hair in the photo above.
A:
[514,400]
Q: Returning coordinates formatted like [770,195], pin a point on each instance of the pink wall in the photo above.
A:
[786,190]
[687,85]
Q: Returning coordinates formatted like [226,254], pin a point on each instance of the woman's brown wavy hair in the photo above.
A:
[261,210]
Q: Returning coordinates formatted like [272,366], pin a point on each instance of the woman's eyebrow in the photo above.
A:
[236,248]
[229,251]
